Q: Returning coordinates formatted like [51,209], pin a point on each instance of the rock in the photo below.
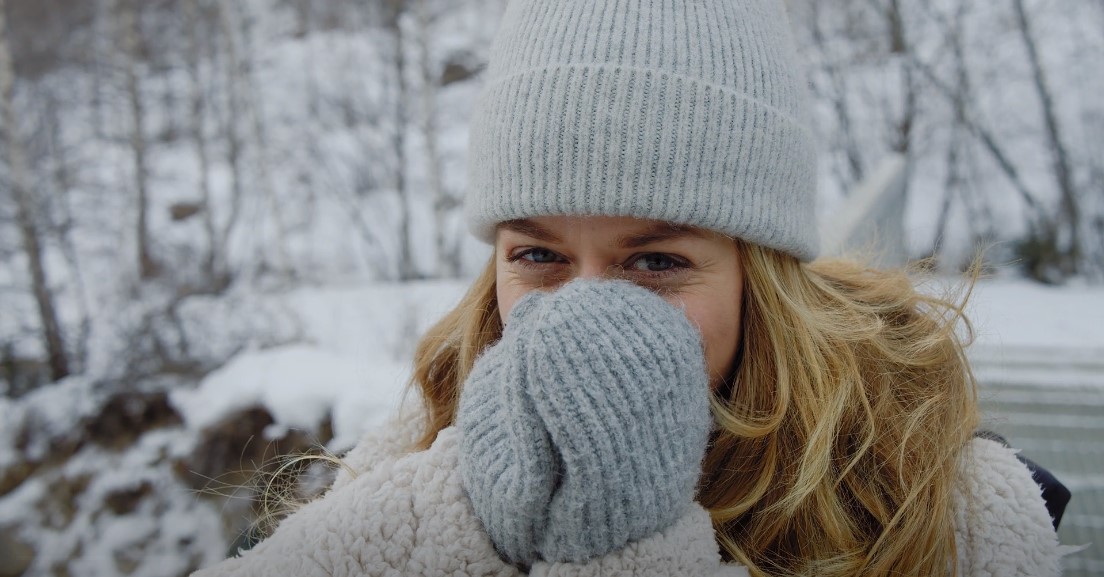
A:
[126,416]
[184,210]
[233,462]
[226,449]
[63,503]
[232,452]
[125,501]
[14,475]
[460,67]
[15,555]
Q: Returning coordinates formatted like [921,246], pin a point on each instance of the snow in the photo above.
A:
[1038,336]
[352,361]
[300,385]
[1015,313]
[47,411]
[169,532]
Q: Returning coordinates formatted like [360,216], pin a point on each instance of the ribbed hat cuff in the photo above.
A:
[619,141]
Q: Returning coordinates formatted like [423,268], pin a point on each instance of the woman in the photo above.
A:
[653,376]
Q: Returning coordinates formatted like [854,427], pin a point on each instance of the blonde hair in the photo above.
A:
[838,441]
[838,436]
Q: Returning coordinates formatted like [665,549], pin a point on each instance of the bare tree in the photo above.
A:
[443,203]
[393,12]
[953,180]
[310,70]
[1068,250]
[212,263]
[98,57]
[64,220]
[899,44]
[129,35]
[235,25]
[302,10]
[230,126]
[255,109]
[18,180]
[990,143]
[838,85]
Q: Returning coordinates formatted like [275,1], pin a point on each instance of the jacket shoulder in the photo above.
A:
[1002,527]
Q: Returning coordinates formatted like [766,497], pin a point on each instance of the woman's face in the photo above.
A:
[694,269]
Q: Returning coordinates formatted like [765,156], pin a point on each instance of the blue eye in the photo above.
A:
[654,262]
[536,256]
[540,255]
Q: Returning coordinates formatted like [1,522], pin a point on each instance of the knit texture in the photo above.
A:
[691,112]
[585,426]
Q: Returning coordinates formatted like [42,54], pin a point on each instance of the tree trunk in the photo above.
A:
[443,204]
[212,270]
[991,146]
[62,214]
[230,125]
[99,55]
[407,268]
[260,138]
[839,103]
[302,17]
[899,45]
[1069,213]
[953,182]
[25,213]
[129,35]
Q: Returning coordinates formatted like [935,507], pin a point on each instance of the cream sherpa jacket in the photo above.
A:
[406,513]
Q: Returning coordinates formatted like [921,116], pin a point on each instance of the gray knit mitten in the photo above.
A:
[585,426]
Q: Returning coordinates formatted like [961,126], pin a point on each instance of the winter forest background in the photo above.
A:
[224,223]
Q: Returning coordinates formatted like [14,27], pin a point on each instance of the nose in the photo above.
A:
[595,269]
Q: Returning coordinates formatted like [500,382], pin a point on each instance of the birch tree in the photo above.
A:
[18,183]
[443,203]
[1066,247]
[212,262]
[64,219]
[99,57]
[837,92]
[953,180]
[231,131]
[901,140]
[129,35]
[393,12]
[254,100]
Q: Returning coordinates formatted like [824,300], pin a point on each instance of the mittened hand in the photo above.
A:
[585,426]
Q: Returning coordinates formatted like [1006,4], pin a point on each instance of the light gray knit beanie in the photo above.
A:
[688,111]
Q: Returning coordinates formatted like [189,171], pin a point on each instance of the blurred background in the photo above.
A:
[224,223]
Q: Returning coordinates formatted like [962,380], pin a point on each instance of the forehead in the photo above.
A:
[619,230]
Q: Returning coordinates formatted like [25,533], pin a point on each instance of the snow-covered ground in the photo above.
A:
[1022,314]
[353,363]
[1037,335]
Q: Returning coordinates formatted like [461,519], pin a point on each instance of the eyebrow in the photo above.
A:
[657,233]
[530,228]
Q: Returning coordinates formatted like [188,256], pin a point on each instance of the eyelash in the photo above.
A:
[679,265]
